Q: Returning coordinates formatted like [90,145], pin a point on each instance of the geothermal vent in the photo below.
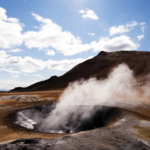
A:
[82,118]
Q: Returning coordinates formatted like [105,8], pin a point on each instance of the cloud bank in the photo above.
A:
[29,65]
[118,43]
[68,44]
[50,35]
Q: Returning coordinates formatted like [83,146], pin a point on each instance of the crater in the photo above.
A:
[33,118]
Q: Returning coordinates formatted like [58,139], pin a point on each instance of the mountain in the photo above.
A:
[98,67]
[34,86]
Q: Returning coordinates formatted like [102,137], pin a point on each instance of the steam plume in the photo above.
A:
[82,99]
[117,90]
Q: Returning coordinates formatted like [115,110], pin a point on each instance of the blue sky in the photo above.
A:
[42,38]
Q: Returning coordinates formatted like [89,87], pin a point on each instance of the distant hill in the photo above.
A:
[98,67]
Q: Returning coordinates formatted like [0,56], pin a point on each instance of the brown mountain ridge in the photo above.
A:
[99,67]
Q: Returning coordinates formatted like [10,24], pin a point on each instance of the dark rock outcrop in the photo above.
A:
[99,66]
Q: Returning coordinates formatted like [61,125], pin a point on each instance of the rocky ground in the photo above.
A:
[125,130]
[123,134]
[26,98]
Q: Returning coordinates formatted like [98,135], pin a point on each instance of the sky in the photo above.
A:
[43,38]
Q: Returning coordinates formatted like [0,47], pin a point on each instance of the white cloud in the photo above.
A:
[118,43]
[132,24]
[122,28]
[89,14]
[39,76]
[15,75]
[142,23]
[140,37]
[82,11]
[30,65]
[3,56]
[50,52]
[15,50]
[35,27]
[64,64]
[119,29]
[143,29]
[26,64]
[92,34]
[10,30]
[51,35]
[12,71]
[10,84]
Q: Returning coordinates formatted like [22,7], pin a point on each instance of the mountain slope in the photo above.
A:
[98,67]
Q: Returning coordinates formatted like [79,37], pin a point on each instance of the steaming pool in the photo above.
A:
[71,119]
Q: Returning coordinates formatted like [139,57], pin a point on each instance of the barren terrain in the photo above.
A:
[126,128]
[8,130]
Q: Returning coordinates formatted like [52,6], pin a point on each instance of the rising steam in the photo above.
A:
[119,90]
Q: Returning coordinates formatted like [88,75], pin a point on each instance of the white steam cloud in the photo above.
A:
[117,90]
[82,99]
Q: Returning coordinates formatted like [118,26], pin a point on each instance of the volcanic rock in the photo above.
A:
[99,67]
